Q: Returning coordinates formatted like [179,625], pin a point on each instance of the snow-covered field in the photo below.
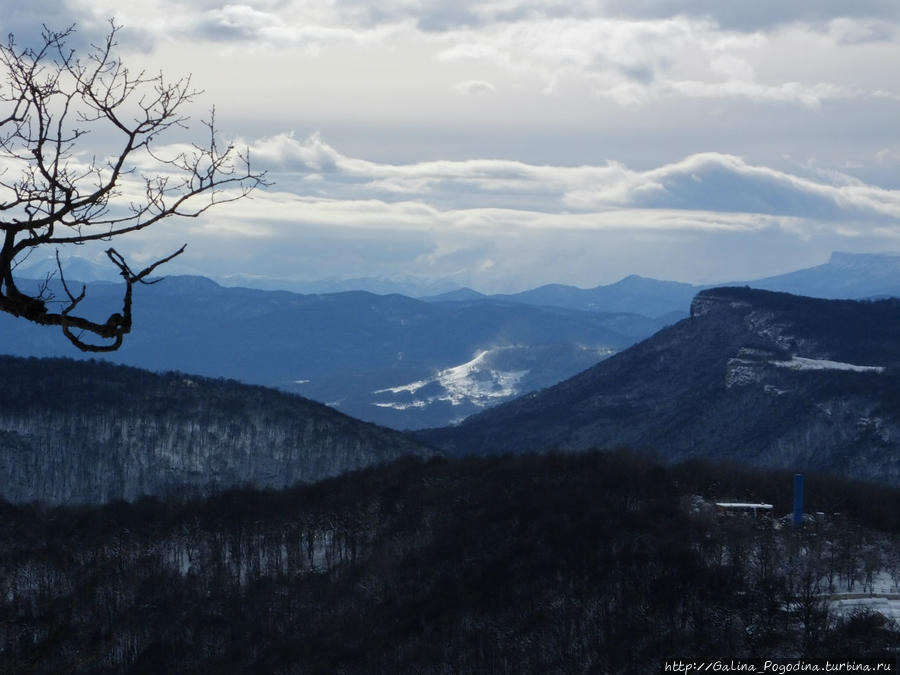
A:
[884,598]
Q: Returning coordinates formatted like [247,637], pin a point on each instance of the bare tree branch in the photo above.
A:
[54,192]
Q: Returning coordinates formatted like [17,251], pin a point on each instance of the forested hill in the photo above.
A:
[756,376]
[579,563]
[76,431]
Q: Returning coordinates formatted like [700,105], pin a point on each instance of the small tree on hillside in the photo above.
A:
[54,190]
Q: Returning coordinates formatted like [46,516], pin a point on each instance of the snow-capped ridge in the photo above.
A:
[474,381]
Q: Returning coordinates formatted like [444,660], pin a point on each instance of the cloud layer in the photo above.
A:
[706,182]
[511,142]
[499,224]
[629,52]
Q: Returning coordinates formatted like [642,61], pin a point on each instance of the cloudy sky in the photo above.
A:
[509,143]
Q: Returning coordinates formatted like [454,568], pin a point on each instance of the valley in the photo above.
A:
[449,337]
[174,522]
[362,352]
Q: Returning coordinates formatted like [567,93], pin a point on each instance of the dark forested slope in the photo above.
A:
[756,376]
[73,431]
[581,563]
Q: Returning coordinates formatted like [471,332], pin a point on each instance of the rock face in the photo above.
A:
[73,432]
[755,376]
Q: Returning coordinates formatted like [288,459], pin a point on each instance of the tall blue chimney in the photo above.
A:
[798,500]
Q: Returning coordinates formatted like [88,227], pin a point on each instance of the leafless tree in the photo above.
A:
[55,190]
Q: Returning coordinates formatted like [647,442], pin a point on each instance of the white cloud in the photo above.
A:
[724,183]
[632,53]
[810,96]
[732,67]
[711,182]
[888,157]
[474,87]
[582,224]
[636,62]
[847,31]
[605,51]
[455,203]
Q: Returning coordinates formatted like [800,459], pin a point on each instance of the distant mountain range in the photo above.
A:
[90,432]
[410,286]
[355,351]
[639,295]
[395,360]
[82,269]
[844,276]
[754,376]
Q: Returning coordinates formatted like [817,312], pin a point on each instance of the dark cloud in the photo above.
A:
[430,15]
[218,31]
[748,15]
[26,22]
[723,184]
[227,23]
[638,72]
[223,21]
[756,14]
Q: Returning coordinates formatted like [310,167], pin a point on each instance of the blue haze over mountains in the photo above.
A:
[397,360]
[844,276]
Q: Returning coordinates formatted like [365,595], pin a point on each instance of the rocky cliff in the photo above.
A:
[755,376]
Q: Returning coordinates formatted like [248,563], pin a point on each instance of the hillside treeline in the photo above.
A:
[90,432]
[587,563]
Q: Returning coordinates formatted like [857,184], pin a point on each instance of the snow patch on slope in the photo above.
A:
[472,382]
[801,363]
[750,365]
